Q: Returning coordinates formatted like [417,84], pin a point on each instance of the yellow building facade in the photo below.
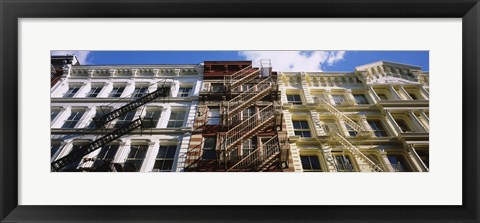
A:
[372,119]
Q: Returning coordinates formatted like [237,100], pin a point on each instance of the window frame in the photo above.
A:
[210,153]
[134,159]
[311,169]
[302,130]
[376,130]
[165,159]
[98,88]
[140,91]
[403,162]
[176,121]
[362,95]
[350,159]
[337,96]
[69,94]
[182,94]
[115,93]
[294,100]
[73,120]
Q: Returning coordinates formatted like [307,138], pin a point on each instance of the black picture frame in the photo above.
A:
[12,10]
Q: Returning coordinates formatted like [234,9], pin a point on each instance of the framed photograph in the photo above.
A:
[224,111]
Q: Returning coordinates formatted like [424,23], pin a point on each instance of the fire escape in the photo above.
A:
[102,121]
[335,135]
[268,154]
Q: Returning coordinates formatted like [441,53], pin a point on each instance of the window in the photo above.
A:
[71,92]
[125,119]
[294,99]
[403,125]
[135,158]
[213,116]
[248,146]
[165,157]
[151,118]
[377,128]
[106,155]
[301,129]
[209,145]
[116,92]
[338,99]
[184,92]
[361,99]
[140,91]
[94,91]
[53,113]
[399,164]
[73,119]
[343,163]
[310,164]
[176,119]
[382,97]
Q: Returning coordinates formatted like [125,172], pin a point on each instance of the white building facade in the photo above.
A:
[88,92]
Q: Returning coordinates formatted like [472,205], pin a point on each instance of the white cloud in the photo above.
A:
[296,60]
[82,55]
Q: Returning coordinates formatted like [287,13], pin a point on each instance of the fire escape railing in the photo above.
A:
[259,157]
[102,141]
[117,133]
[248,127]
[102,120]
[251,95]
[356,152]
[338,114]
[334,134]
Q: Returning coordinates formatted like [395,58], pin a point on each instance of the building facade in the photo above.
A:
[239,116]
[134,118]
[239,121]
[373,119]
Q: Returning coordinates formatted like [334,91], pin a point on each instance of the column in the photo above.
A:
[366,126]
[84,89]
[390,120]
[86,118]
[424,92]
[149,161]
[328,97]
[417,162]
[425,119]
[372,94]
[394,92]
[415,121]
[349,97]
[405,93]
[164,117]
[343,128]
[129,88]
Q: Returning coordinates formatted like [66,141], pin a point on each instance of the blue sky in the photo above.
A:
[281,60]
